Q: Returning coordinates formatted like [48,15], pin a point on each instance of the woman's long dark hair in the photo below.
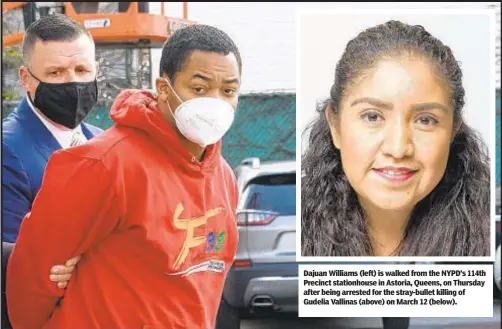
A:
[453,220]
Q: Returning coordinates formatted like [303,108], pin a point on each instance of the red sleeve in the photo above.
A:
[73,211]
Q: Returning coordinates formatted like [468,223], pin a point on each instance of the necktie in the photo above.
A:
[77,139]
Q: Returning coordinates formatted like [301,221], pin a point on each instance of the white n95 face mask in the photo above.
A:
[203,120]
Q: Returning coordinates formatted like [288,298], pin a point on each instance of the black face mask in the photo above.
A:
[66,103]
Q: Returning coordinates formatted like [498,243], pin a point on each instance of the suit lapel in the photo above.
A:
[87,132]
[44,141]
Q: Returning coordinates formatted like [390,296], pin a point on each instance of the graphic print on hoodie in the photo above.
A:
[156,231]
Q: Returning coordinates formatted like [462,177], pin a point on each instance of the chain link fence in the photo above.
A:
[264,126]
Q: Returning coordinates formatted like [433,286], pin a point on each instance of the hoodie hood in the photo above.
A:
[138,109]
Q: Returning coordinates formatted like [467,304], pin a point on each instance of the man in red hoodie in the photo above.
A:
[149,204]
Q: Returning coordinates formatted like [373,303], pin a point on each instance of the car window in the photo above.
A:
[275,193]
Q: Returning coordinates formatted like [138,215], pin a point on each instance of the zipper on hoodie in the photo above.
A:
[194,160]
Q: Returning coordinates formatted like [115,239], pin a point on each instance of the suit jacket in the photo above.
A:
[26,147]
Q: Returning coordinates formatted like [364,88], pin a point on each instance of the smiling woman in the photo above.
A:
[392,168]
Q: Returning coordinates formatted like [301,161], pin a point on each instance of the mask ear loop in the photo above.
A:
[178,124]
[29,71]
[32,100]
[168,105]
[174,92]
[193,159]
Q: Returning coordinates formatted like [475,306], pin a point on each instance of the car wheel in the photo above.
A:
[396,323]
[228,317]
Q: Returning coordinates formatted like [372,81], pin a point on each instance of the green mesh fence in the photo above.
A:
[264,126]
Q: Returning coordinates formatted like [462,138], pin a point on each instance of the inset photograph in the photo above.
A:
[397,118]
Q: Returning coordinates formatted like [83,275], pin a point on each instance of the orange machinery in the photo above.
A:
[132,25]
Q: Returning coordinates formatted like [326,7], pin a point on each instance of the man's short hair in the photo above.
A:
[183,42]
[55,27]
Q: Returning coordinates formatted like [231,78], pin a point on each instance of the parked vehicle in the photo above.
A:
[264,277]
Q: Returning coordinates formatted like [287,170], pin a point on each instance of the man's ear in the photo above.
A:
[23,77]
[333,125]
[162,88]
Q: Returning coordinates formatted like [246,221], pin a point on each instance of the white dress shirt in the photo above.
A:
[62,135]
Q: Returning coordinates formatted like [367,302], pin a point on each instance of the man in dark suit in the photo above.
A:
[59,76]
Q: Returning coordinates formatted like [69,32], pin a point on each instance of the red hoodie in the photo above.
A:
[156,230]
